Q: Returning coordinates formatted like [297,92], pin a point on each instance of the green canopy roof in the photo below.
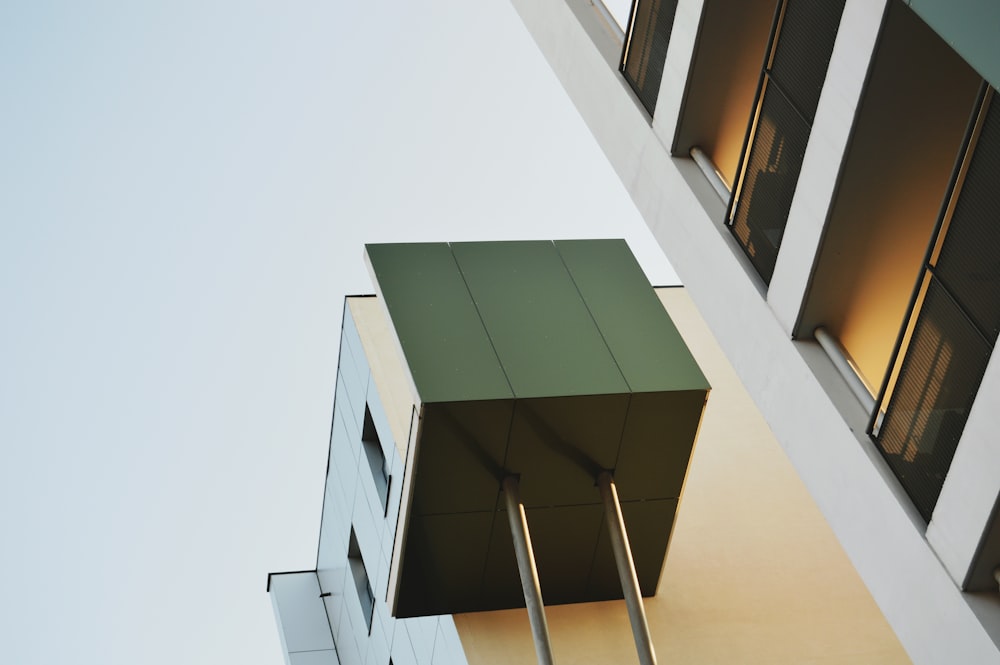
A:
[553,361]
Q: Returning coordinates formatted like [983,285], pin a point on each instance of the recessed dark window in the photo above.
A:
[788,94]
[360,575]
[955,324]
[376,458]
[645,50]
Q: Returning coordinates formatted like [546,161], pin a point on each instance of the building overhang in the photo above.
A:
[551,361]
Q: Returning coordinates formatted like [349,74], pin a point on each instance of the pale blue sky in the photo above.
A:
[185,188]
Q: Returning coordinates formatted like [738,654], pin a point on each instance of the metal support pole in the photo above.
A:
[846,368]
[526,566]
[711,173]
[626,569]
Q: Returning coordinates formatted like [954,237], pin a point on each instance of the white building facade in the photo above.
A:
[824,177]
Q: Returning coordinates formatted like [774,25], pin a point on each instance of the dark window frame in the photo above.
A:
[371,443]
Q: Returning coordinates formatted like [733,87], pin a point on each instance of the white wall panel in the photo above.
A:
[402,650]
[327,657]
[389,624]
[364,528]
[422,631]
[352,634]
[334,534]
[448,646]
[351,500]
[345,457]
[379,642]
[680,51]
[299,611]
[964,509]
[351,344]
[334,603]
[345,411]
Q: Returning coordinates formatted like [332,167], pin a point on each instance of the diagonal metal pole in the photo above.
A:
[626,568]
[526,567]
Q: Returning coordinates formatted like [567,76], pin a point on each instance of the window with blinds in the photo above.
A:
[952,326]
[645,50]
[791,79]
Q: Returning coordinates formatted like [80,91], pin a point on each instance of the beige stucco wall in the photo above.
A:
[753,573]
[387,366]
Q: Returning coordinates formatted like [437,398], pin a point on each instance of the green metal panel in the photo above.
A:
[655,520]
[970,27]
[547,360]
[644,341]
[560,444]
[563,540]
[445,558]
[462,449]
[656,443]
[446,347]
[543,333]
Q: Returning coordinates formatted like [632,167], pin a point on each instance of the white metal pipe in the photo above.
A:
[626,569]
[612,25]
[708,168]
[846,368]
[526,567]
